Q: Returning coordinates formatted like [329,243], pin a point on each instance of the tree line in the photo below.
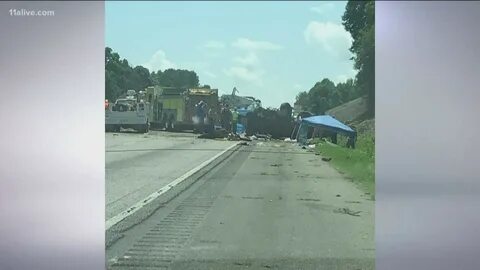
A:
[121,76]
[325,95]
[359,20]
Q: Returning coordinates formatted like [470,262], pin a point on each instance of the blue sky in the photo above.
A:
[270,50]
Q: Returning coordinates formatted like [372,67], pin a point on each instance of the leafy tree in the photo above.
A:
[319,96]
[120,76]
[347,91]
[359,20]
[302,99]
[286,110]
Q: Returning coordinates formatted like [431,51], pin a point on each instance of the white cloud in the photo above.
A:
[340,79]
[214,44]
[209,74]
[247,68]
[245,74]
[251,59]
[252,45]
[159,61]
[323,8]
[332,37]
[344,77]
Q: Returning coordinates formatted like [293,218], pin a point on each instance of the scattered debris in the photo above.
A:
[338,195]
[252,198]
[303,147]
[242,264]
[264,136]
[311,146]
[243,138]
[253,137]
[352,201]
[309,200]
[265,173]
[243,143]
[326,159]
[233,137]
[317,154]
[217,134]
[275,165]
[347,212]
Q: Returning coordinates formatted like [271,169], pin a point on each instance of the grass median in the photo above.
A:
[358,163]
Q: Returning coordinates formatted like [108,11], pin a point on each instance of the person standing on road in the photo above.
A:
[234,121]
[226,118]
[351,140]
[200,115]
[171,119]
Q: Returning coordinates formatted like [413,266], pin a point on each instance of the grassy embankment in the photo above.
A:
[358,163]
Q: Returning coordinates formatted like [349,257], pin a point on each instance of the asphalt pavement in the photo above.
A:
[270,205]
[139,164]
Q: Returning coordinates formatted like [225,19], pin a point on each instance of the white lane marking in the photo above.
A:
[121,216]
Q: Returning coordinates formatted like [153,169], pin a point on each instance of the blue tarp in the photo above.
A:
[328,122]
[242,112]
[240,129]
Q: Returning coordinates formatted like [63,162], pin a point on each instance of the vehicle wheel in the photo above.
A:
[144,128]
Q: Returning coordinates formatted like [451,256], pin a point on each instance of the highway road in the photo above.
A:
[269,205]
[138,164]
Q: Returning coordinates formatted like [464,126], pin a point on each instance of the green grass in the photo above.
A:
[358,163]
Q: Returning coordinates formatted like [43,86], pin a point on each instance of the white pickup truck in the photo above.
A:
[128,112]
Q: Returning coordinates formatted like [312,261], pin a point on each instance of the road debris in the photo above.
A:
[309,200]
[338,195]
[326,159]
[264,136]
[347,212]
[352,201]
